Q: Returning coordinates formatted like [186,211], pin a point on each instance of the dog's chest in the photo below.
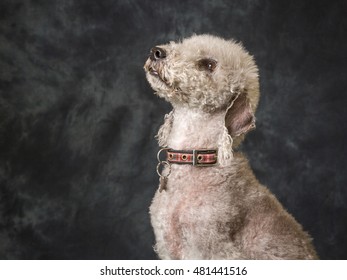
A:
[192,208]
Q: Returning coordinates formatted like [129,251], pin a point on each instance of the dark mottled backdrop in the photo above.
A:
[78,119]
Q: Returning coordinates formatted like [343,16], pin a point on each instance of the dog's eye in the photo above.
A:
[208,64]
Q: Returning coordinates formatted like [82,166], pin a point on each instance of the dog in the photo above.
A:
[209,204]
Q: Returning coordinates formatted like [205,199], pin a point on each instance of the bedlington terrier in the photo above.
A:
[209,204]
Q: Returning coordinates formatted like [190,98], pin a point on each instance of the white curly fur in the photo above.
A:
[219,212]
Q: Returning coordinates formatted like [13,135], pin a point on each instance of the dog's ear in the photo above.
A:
[240,117]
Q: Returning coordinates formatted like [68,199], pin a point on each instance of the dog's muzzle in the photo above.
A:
[155,56]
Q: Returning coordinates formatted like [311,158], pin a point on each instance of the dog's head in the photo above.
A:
[208,73]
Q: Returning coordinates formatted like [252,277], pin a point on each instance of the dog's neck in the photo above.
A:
[194,129]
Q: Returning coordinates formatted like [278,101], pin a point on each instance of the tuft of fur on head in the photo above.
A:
[211,74]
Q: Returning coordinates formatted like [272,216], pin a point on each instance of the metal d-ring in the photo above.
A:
[163,163]
[158,154]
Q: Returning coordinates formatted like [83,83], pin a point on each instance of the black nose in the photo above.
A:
[157,53]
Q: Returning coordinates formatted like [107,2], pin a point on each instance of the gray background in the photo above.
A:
[78,119]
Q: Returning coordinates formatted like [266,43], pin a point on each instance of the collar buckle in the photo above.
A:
[197,157]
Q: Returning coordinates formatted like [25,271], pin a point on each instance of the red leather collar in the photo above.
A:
[201,157]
